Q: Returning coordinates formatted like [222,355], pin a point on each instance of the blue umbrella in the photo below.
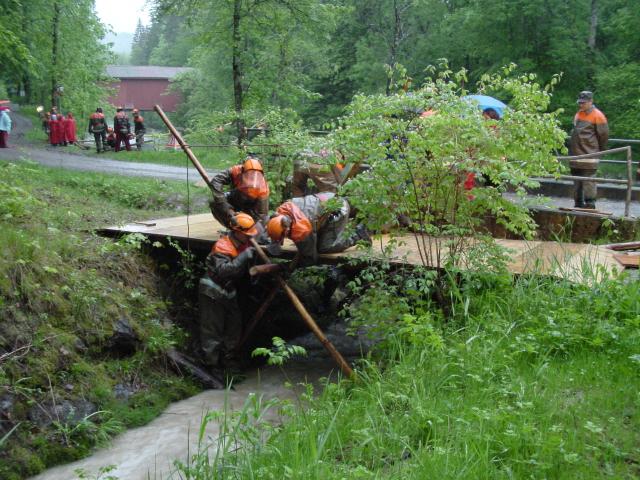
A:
[485,101]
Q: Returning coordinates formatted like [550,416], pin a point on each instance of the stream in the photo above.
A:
[148,452]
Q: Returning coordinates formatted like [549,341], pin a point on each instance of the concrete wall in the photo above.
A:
[575,227]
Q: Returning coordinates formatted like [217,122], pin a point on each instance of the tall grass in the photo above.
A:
[62,291]
[530,377]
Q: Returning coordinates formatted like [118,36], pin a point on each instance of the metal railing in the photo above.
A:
[628,182]
[625,141]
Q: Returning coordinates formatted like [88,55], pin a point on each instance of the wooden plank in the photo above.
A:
[628,261]
[585,210]
[623,246]
[566,260]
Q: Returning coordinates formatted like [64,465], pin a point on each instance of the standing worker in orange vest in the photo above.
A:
[249,192]
[220,313]
[590,134]
[98,127]
[122,128]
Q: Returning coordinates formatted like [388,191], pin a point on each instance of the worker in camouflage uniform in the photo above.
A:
[98,127]
[313,166]
[122,128]
[138,128]
[316,224]
[220,313]
[248,192]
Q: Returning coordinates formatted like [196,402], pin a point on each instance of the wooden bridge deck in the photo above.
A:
[567,260]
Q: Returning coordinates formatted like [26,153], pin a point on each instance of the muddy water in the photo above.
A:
[148,452]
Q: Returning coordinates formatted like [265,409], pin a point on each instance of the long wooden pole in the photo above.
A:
[256,318]
[308,319]
[627,201]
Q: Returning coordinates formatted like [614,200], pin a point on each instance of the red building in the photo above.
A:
[143,86]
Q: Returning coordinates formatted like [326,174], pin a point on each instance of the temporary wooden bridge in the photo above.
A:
[574,261]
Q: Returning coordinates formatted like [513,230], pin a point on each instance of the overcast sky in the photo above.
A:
[122,15]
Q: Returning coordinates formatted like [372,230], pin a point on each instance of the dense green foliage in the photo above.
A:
[316,57]
[527,378]
[63,293]
[46,44]
[418,164]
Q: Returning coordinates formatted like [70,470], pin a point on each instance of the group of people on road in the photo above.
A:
[315,222]
[60,128]
[113,138]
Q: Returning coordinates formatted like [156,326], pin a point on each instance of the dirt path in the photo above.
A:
[21,150]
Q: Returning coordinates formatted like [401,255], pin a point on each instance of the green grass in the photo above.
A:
[62,289]
[35,135]
[528,378]
[212,160]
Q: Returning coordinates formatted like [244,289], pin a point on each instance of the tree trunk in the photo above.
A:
[593,25]
[26,76]
[397,33]
[238,93]
[54,51]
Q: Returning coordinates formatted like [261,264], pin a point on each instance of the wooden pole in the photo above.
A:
[308,319]
[185,147]
[627,202]
[265,305]
[257,317]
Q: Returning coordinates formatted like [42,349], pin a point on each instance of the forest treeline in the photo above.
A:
[48,44]
[312,56]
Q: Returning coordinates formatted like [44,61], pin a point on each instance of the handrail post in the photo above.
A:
[627,203]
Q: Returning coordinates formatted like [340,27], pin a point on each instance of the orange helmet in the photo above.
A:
[244,223]
[253,183]
[277,227]
[252,164]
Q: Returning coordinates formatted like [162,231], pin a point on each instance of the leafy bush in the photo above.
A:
[418,163]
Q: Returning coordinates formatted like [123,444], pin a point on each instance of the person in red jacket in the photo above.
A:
[62,132]
[70,129]
[54,129]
